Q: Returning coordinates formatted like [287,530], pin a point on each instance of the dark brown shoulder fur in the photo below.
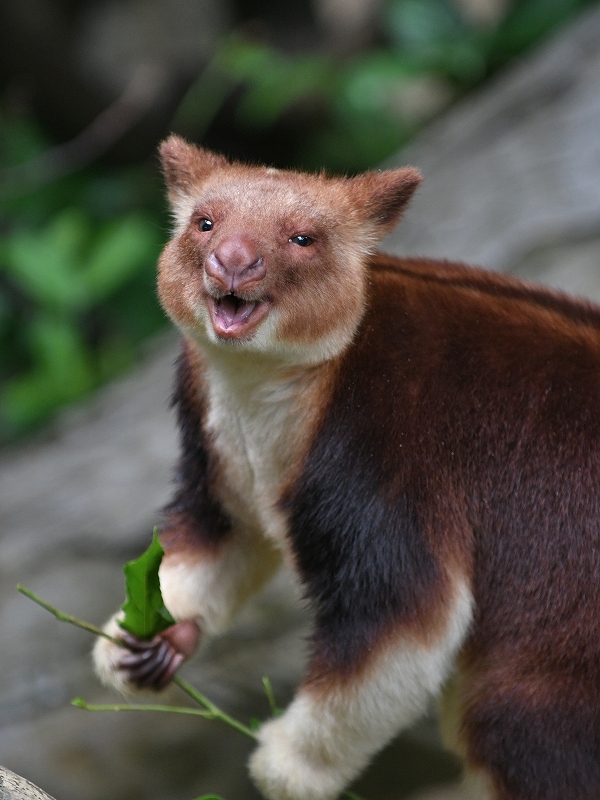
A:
[194,520]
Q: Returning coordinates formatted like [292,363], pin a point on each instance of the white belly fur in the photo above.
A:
[261,422]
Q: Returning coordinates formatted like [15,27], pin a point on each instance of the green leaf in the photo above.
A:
[145,612]
[417,24]
[275,90]
[123,248]
[62,373]
[47,263]
[210,797]
[529,21]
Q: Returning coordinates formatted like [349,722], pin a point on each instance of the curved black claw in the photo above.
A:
[151,664]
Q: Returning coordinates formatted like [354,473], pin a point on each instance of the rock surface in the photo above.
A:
[515,169]
[513,182]
[13,787]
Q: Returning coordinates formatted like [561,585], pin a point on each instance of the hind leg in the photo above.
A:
[476,783]
[531,736]
[338,721]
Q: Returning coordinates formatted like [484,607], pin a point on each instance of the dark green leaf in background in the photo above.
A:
[210,797]
[145,612]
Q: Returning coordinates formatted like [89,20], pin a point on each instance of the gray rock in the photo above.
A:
[515,167]
[96,481]
[13,787]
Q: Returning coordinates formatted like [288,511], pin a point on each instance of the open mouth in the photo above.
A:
[233,317]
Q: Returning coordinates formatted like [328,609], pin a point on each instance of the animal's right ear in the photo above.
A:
[186,165]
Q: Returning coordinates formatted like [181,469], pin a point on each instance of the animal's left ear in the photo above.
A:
[185,165]
[382,197]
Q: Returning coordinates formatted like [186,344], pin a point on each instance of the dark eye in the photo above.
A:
[205,225]
[302,241]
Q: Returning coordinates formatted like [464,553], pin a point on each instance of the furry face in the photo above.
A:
[284,277]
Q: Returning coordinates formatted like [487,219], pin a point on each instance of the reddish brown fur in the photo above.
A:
[456,438]
[506,396]
[184,168]
[496,387]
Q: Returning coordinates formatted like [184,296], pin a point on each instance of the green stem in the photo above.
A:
[87,626]
[81,703]
[211,711]
[275,711]
[210,797]
[214,710]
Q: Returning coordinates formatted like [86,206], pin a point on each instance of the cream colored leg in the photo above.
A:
[325,739]
[211,588]
[207,588]
[475,785]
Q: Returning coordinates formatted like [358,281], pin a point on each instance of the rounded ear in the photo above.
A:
[381,197]
[185,165]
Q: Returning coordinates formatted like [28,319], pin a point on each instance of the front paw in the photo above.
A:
[152,663]
[284,768]
[143,664]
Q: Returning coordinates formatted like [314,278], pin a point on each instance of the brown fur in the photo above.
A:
[472,376]
[422,440]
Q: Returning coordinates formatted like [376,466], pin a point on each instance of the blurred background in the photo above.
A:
[89,87]
[496,101]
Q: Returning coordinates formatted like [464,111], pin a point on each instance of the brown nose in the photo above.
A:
[235,263]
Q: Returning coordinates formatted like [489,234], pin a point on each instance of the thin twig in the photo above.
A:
[79,702]
[212,711]
[275,711]
[86,626]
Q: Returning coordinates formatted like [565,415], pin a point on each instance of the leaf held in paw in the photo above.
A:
[145,611]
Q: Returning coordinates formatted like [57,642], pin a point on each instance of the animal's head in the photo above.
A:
[268,260]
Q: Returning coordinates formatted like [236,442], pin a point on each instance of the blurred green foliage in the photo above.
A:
[77,254]
[76,281]
[370,103]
